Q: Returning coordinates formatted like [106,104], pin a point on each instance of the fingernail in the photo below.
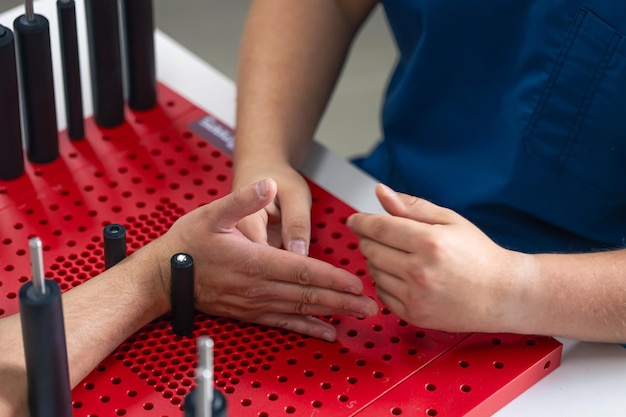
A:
[359,314]
[349,220]
[388,190]
[298,246]
[261,188]
[352,290]
[328,336]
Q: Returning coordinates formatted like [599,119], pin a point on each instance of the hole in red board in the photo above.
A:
[431,412]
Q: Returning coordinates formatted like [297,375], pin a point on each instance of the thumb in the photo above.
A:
[411,207]
[230,209]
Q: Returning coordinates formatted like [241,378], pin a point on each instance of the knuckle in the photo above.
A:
[303,276]
[299,224]
[414,271]
[309,296]
[280,323]
[378,227]
[414,202]
[301,308]
[254,293]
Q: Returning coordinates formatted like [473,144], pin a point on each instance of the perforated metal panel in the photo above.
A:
[147,173]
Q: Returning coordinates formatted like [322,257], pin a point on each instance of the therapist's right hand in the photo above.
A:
[286,221]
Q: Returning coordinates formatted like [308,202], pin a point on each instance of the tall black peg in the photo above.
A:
[45,350]
[11,151]
[66,12]
[105,62]
[138,24]
[181,297]
[32,34]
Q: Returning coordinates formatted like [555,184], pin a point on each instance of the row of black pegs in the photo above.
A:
[28,116]
[45,348]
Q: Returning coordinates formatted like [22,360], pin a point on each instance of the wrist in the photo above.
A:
[143,275]
[521,304]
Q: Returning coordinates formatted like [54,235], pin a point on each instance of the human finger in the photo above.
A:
[404,205]
[311,326]
[295,209]
[227,211]
[254,227]
[389,300]
[396,232]
[297,299]
[289,267]
[392,260]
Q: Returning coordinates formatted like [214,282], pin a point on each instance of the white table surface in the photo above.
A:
[591,380]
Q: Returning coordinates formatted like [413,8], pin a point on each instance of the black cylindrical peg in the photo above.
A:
[11,151]
[32,34]
[66,11]
[114,236]
[45,351]
[219,405]
[181,294]
[204,400]
[105,62]
[138,24]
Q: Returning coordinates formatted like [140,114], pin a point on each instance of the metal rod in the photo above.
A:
[30,11]
[36,261]
[204,377]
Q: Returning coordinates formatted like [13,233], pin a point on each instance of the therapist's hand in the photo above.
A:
[255,282]
[286,220]
[435,269]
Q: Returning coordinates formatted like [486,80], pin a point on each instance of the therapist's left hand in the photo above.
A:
[435,269]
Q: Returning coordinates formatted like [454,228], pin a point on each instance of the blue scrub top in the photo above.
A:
[512,113]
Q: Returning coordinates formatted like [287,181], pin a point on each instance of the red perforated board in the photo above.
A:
[147,173]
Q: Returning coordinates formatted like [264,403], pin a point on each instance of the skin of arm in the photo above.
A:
[435,269]
[292,53]
[282,291]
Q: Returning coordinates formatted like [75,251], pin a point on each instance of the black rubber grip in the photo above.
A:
[181,295]
[66,11]
[138,23]
[11,151]
[105,62]
[45,351]
[114,236]
[37,88]
[219,406]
